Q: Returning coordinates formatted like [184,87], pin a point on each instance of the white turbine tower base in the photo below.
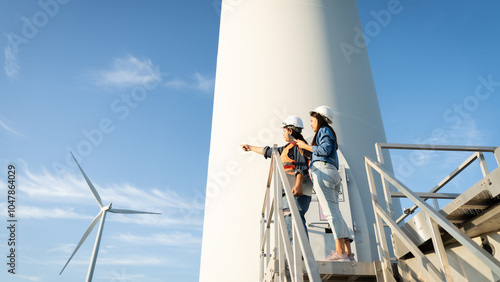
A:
[101,215]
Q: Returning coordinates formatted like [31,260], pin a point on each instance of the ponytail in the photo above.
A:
[322,123]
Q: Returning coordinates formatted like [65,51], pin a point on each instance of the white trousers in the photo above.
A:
[326,183]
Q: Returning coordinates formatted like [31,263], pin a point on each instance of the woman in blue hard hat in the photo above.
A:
[326,179]
[296,168]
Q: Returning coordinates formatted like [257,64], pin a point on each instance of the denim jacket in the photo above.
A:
[326,150]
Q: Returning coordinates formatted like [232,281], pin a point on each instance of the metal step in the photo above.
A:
[344,271]
[476,212]
[350,271]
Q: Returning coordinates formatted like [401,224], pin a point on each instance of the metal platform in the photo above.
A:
[350,271]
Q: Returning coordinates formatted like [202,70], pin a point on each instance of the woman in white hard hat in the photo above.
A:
[296,168]
[326,179]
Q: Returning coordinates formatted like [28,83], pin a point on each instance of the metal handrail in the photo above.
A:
[273,261]
[446,180]
[477,155]
[431,147]
[436,219]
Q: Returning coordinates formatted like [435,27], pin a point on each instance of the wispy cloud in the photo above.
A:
[132,260]
[7,128]
[71,190]
[197,82]
[167,219]
[123,276]
[43,213]
[425,168]
[111,257]
[203,84]
[172,239]
[127,72]
[176,83]
[29,278]
[63,248]
[11,66]
[46,187]
[130,71]
[466,134]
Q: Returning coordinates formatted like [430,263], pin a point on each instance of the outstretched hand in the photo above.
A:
[245,147]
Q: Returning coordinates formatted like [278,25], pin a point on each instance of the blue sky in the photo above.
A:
[128,87]
[435,67]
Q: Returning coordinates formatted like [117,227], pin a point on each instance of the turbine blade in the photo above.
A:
[131,211]
[92,188]
[91,226]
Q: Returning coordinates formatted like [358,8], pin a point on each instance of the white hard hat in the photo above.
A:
[293,120]
[325,112]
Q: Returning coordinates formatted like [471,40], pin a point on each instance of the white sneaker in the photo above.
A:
[351,257]
[334,256]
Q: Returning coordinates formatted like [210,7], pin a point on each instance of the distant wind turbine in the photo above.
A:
[101,215]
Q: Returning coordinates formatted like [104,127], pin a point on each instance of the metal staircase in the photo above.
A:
[282,261]
[455,243]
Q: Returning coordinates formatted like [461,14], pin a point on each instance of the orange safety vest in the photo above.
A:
[288,164]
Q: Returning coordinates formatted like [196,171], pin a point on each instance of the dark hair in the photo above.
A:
[321,123]
[296,133]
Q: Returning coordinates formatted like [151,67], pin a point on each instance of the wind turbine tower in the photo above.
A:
[100,216]
[279,58]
